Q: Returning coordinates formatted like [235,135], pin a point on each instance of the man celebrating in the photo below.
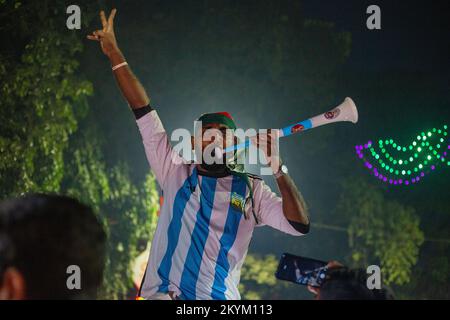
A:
[210,210]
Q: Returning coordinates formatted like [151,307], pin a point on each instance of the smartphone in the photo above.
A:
[301,270]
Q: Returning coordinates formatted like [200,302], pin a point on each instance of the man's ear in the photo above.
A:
[12,286]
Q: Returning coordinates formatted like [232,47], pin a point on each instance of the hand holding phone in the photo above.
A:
[301,270]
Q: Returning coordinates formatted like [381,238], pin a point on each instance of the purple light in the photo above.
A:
[360,151]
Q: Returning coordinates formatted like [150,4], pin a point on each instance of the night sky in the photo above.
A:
[414,34]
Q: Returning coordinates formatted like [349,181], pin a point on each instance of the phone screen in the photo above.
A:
[301,270]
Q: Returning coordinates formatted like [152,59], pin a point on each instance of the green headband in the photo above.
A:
[209,118]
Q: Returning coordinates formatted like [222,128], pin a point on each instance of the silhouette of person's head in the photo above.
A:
[40,237]
[349,284]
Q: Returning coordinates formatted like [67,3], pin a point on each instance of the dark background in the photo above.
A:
[270,63]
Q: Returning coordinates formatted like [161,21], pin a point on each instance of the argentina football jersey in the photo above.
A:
[202,236]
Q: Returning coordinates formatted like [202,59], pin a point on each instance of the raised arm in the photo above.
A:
[162,158]
[129,85]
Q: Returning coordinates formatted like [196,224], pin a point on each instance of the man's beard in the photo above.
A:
[216,167]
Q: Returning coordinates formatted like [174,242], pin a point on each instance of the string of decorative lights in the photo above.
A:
[396,164]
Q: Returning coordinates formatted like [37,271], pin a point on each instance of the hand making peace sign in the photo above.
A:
[106,36]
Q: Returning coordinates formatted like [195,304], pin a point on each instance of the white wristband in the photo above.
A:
[119,65]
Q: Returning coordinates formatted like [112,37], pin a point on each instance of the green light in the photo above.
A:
[439,131]
[445,127]
[424,148]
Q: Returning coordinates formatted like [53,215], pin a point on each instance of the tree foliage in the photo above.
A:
[44,101]
[41,97]
[381,231]
[128,211]
[258,280]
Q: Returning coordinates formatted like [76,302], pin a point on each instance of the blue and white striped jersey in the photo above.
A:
[202,237]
